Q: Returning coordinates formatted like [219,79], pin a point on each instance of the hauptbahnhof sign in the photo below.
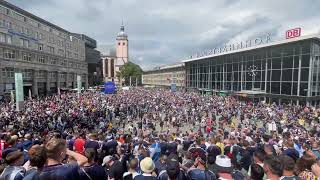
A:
[235,46]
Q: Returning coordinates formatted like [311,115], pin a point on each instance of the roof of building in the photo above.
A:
[26,13]
[312,36]
[88,40]
[122,34]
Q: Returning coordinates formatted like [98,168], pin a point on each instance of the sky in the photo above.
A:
[164,32]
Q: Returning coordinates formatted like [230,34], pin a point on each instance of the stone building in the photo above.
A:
[48,56]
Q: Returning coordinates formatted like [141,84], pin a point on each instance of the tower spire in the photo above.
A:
[122,26]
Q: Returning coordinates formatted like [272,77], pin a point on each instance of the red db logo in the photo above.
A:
[292,33]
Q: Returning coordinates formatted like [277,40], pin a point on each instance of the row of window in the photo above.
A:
[8,72]
[275,63]
[13,54]
[41,36]
[5,38]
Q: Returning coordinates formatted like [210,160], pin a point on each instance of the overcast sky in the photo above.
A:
[168,31]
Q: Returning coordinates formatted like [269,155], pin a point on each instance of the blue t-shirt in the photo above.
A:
[60,172]
[197,174]
[94,171]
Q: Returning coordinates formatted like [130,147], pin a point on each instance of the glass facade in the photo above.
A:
[290,69]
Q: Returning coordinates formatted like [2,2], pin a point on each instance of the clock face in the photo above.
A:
[253,70]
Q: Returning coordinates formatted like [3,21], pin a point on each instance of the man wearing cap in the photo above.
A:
[224,168]
[147,166]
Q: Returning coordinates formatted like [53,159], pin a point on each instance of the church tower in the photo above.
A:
[122,49]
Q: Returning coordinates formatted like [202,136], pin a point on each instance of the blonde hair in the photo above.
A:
[54,147]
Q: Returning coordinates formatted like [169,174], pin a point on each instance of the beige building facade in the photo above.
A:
[165,76]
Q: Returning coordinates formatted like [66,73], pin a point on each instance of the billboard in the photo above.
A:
[109,87]
[293,33]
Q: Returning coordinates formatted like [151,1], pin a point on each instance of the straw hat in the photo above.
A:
[147,165]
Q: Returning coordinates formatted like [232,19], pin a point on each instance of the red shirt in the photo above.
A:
[79,145]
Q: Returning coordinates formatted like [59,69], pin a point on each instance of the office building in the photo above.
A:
[48,56]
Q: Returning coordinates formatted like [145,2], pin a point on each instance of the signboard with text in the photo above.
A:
[293,33]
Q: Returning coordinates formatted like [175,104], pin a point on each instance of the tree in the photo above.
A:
[130,70]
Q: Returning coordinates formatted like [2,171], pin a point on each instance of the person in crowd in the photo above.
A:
[79,143]
[37,159]
[14,170]
[147,167]
[257,172]
[304,165]
[316,169]
[258,158]
[114,167]
[288,168]
[133,166]
[92,142]
[161,163]
[272,167]
[56,150]
[172,171]
[199,170]
[92,170]
[315,149]
[290,150]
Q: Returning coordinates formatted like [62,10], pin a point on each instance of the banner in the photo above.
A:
[109,87]
[19,90]
[173,87]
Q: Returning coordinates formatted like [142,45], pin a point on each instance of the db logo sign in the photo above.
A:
[292,33]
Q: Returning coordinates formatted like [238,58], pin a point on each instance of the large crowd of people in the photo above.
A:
[157,134]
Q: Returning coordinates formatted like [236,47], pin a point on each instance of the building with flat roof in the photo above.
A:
[164,76]
[48,56]
[286,71]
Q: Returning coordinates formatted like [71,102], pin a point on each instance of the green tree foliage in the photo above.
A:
[130,70]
